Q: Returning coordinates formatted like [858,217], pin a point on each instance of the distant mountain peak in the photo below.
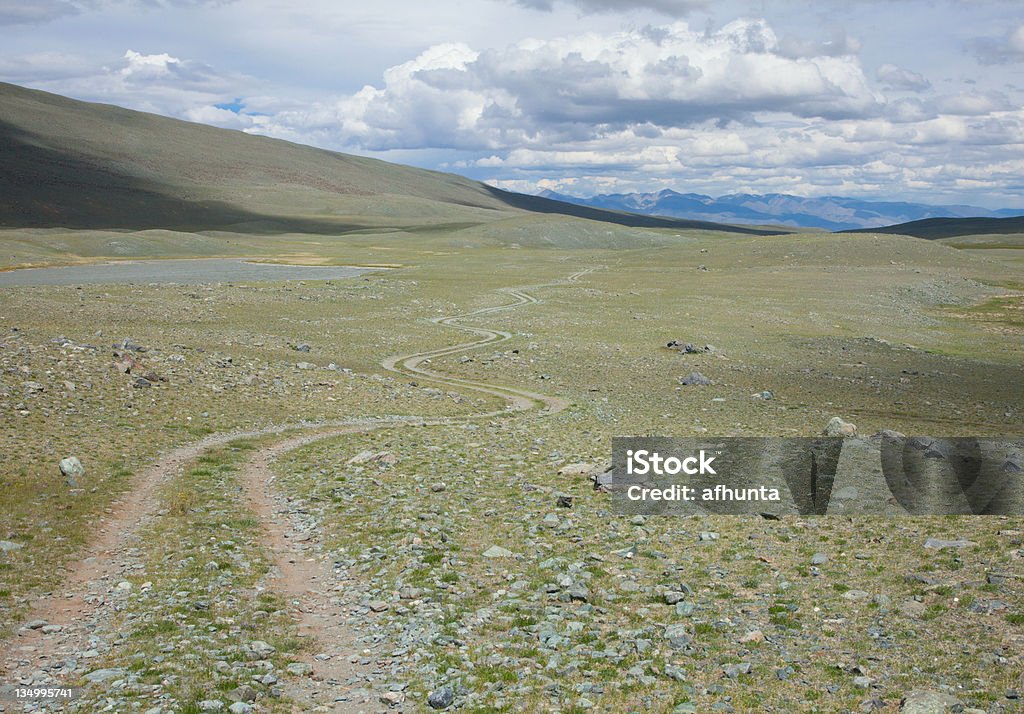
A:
[834,213]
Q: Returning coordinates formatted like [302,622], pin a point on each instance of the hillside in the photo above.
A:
[75,164]
[938,228]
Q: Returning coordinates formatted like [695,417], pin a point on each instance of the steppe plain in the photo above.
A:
[267,528]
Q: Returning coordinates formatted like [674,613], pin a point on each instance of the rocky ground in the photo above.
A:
[333,535]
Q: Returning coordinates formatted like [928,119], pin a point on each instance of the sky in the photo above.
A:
[917,100]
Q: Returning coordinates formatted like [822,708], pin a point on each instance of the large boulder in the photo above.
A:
[72,470]
[838,427]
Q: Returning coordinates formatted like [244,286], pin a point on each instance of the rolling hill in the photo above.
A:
[71,164]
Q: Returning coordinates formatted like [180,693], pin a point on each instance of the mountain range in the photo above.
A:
[832,213]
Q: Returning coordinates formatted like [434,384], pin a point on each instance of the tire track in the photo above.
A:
[83,598]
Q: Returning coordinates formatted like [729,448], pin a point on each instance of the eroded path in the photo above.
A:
[86,600]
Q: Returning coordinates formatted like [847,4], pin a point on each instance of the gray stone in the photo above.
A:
[211,705]
[928,701]
[244,693]
[677,636]
[496,551]
[241,708]
[838,427]
[7,546]
[940,544]
[72,470]
[377,605]
[695,379]
[579,593]
[299,669]
[102,675]
[819,559]
[732,671]
[261,648]
[441,698]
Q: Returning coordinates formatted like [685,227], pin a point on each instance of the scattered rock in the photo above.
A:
[102,675]
[732,671]
[929,701]
[7,546]
[578,593]
[244,693]
[392,699]
[377,605]
[496,551]
[940,544]
[563,501]
[441,698]
[856,595]
[819,559]
[838,427]
[752,636]
[302,347]
[299,669]
[695,379]
[72,470]
[912,608]
[578,469]
[262,649]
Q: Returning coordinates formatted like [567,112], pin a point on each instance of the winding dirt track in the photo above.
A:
[304,578]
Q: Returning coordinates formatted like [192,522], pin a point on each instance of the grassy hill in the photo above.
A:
[938,228]
[73,164]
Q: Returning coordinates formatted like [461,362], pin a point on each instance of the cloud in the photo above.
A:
[157,82]
[1006,49]
[36,12]
[18,12]
[973,103]
[672,8]
[898,78]
[582,87]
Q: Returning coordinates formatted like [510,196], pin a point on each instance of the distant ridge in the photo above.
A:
[831,213]
[937,228]
[72,164]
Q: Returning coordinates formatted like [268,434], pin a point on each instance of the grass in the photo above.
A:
[218,614]
[828,324]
